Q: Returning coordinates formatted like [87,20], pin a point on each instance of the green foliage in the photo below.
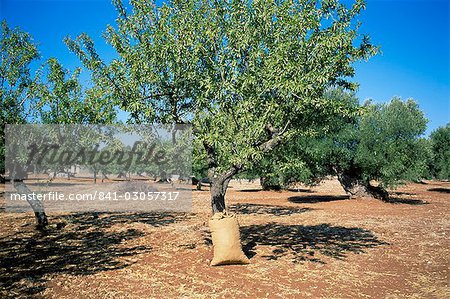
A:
[199,165]
[17,51]
[59,96]
[54,95]
[380,143]
[246,74]
[61,99]
[309,158]
[390,149]
[440,146]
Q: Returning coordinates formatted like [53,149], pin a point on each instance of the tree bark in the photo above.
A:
[218,190]
[36,205]
[163,177]
[359,188]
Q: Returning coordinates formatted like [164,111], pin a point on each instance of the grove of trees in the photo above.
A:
[266,86]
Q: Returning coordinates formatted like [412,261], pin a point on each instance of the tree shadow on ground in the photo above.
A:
[106,220]
[407,201]
[289,189]
[441,190]
[53,184]
[248,208]
[28,259]
[307,242]
[317,198]
[400,193]
[301,190]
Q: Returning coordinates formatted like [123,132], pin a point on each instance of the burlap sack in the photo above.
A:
[226,240]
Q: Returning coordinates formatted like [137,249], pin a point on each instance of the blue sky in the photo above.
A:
[413,35]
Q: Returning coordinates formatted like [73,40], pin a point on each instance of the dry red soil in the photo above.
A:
[310,242]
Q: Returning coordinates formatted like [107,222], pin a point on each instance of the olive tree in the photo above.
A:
[246,74]
[309,158]
[381,144]
[440,153]
[390,148]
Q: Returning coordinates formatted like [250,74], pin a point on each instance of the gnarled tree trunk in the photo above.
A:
[356,187]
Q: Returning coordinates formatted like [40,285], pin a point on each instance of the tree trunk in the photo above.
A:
[36,205]
[358,188]
[163,178]
[104,177]
[218,189]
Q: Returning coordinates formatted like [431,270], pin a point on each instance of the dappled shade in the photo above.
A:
[407,201]
[105,220]
[317,198]
[289,189]
[248,208]
[441,190]
[28,258]
[307,242]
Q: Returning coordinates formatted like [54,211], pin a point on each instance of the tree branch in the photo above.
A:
[275,137]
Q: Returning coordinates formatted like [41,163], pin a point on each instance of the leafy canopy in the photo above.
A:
[390,147]
[244,73]
[17,51]
[62,100]
[383,143]
[440,145]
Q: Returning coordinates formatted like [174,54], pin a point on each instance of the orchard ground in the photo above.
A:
[307,242]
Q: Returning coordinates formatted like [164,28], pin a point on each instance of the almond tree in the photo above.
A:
[18,51]
[246,74]
[53,96]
